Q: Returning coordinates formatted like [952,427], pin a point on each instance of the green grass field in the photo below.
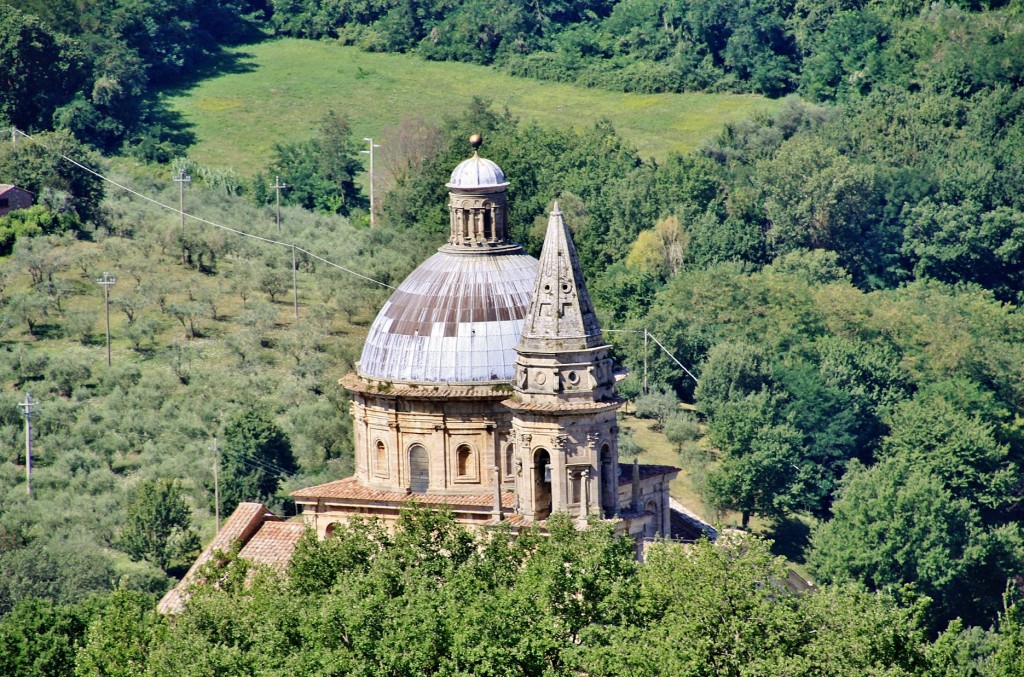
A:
[279,89]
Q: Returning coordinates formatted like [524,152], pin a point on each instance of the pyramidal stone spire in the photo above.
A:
[561,316]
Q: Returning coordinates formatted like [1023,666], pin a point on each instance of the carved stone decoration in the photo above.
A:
[559,443]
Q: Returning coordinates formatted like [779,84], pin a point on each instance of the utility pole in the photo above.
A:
[295,283]
[645,360]
[14,137]
[278,186]
[181,179]
[106,282]
[27,407]
[373,145]
[216,481]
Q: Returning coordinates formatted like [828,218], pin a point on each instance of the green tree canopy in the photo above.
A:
[898,523]
[321,172]
[159,525]
[256,456]
[41,70]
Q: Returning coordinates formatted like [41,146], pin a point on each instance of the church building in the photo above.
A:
[485,386]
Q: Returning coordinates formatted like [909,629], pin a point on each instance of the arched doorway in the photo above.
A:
[419,469]
[652,528]
[609,482]
[541,484]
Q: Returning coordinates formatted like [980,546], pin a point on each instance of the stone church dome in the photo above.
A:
[457,318]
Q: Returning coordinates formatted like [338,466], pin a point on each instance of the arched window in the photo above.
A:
[609,481]
[510,463]
[653,524]
[419,469]
[380,459]
[541,483]
[464,460]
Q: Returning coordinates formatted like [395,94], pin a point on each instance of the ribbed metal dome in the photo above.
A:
[456,318]
[477,173]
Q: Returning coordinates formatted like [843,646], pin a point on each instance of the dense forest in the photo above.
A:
[843,276]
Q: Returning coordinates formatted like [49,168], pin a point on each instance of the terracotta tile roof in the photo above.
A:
[646,472]
[349,489]
[518,521]
[243,523]
[273,544]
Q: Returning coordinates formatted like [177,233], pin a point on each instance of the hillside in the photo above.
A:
[276,91]
[840,272]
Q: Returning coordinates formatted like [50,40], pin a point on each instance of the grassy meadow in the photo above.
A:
[276,91]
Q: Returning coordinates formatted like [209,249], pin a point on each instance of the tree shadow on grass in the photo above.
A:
[790,538]
[166,124]
[221,61]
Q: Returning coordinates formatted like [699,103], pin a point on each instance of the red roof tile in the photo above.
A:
[273,544]
[244,522]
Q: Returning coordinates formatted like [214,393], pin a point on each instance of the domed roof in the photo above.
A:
[476,173]
[456,318]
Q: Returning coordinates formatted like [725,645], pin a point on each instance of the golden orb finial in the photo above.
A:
[476,140]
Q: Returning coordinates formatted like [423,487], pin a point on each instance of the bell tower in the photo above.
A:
[564,402]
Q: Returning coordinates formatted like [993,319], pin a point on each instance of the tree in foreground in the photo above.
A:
[896,523]
[433,598]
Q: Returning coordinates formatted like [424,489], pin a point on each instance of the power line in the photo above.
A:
[649,335]
[259,463]
[206,221]
[265,466]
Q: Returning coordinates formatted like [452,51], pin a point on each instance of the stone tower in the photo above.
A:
[564,404]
